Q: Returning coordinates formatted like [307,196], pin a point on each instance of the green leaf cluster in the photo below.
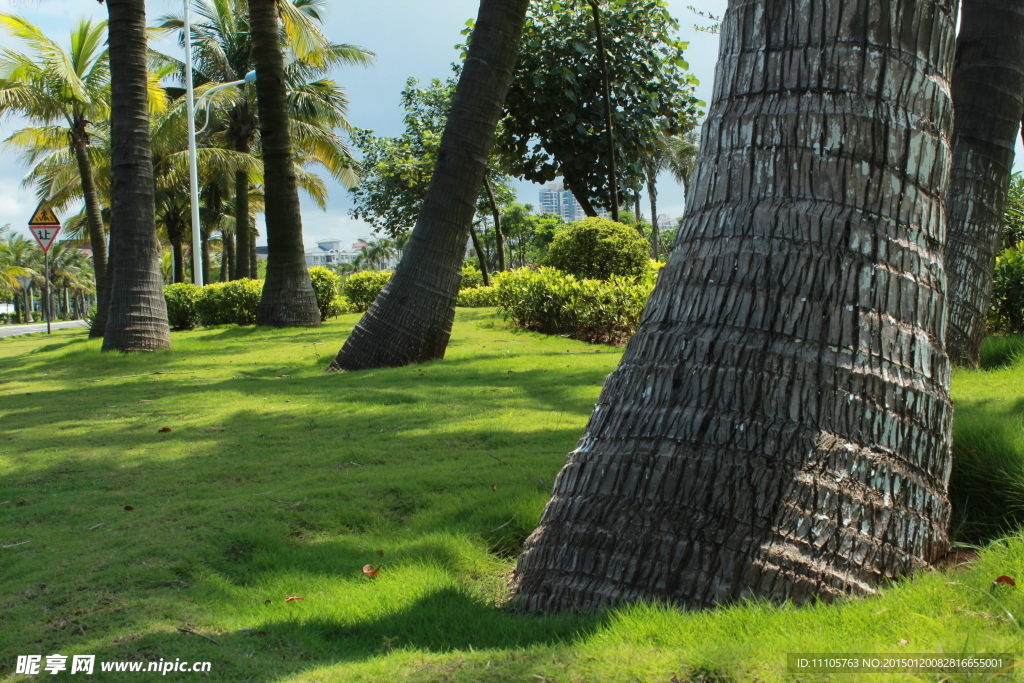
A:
[363,287]
[325,286]
[395,172]
[478,297]
[550,301]
[598,248]
[1006,313]
[554,124]
[229,303]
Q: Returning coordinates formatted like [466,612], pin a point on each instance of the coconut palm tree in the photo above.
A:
[677,153]
[17,260]
[66,90]
[137,314]
[778,428]
[223,52]
[411,320]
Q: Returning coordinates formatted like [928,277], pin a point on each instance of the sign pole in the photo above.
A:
[46,274]
[45,226]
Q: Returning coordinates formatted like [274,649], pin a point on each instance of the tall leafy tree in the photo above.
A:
[411,320]
[66,91]
[555,123]
[988,92]
[395,172]
[779,425]
[137,316]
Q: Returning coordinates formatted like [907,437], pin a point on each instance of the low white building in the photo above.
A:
[329,253]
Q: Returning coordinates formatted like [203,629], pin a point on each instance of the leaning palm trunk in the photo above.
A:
[778,426]
[288,299]
[137,316]
[988,94]
[411,320]
[94,221]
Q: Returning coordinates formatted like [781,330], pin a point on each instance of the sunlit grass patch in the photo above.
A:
[277,480]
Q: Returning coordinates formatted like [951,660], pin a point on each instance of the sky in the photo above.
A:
[409,37]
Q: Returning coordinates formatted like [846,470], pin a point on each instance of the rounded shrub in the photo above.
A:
[325,286]
[598,248]
[181,305]
[363,287]
[1006,314]
[229,303]
[471,277]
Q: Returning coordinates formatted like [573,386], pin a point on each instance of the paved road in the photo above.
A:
[15,330]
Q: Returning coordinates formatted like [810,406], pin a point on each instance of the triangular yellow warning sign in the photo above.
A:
[44,215]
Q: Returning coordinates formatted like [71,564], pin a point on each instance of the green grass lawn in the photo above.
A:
[277,480]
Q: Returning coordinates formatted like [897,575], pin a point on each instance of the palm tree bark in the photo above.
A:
[137,316]
[254,259]
[94,220]
[499,236]
[480,256]
[205,253]
[288,299]
[411,320]
[988,96]
[241,268]
[778,427]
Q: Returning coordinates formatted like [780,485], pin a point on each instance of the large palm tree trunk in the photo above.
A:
[94,221]
[227,257]
[988,95]
[137,316]
[411,320]
[288,299]
[779,424]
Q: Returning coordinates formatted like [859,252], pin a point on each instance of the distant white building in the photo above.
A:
[556,199]
[329,253]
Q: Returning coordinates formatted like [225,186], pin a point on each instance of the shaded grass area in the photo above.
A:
[277,480]
[987,486]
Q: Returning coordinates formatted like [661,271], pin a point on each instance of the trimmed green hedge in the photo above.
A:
[597,249]
[550,301]
[229,303]
[325,286]
[478,297]
[471,277]
[363,287]
[181,305]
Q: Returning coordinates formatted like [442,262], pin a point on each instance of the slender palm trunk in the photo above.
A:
[652,194]
[499,236]
[288,299]
[27,294]
[177,257]
[480,256]
[411,320]
[137,317]
[227,257]
[778,427]
[241,268]
[988,94]
[205,254]
[609,130]
[94,221]
[254,259]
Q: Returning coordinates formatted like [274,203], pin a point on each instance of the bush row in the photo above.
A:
[553,302]
[235,302]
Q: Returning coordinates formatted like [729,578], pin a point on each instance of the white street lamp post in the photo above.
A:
[193,168]
[193,164]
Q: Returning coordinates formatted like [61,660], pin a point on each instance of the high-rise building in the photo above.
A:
[556,199]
